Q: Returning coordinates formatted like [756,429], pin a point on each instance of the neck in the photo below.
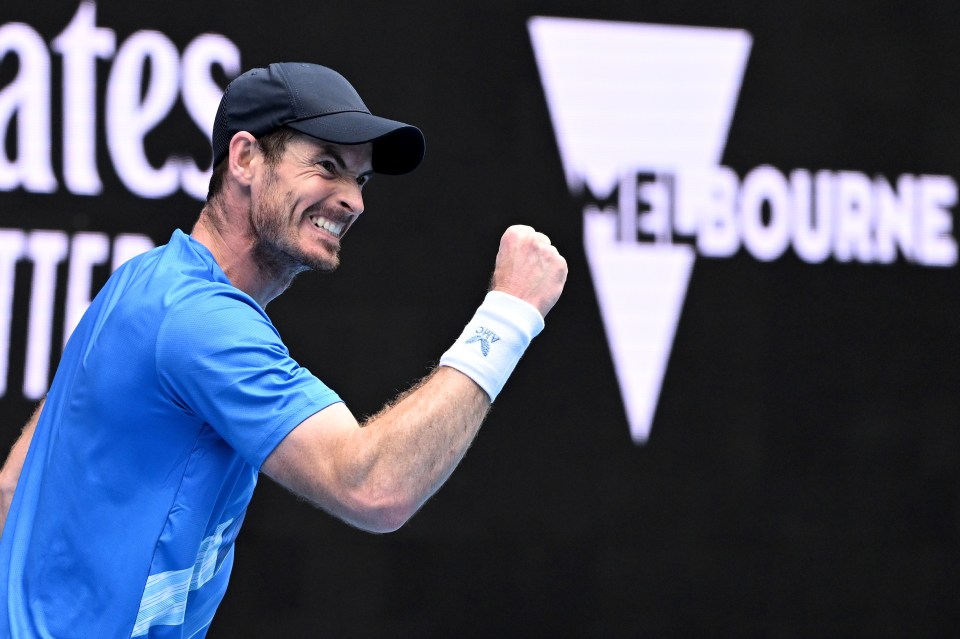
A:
[235,250]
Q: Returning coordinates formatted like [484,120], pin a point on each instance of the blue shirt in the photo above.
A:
[170,394]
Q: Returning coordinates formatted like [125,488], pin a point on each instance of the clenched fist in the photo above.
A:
[529,267]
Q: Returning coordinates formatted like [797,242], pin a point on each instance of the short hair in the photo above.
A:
[272,144]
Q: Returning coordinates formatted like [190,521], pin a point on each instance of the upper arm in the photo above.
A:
[233,372]
[377,475]
[325,459]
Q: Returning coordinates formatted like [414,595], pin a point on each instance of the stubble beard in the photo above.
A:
[276,248]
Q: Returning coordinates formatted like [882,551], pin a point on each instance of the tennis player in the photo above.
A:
[121,501]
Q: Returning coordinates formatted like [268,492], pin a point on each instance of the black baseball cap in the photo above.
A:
[317,101]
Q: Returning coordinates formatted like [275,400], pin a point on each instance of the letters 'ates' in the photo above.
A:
[129,116]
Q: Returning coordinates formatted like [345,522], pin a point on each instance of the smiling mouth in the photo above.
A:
[334,228]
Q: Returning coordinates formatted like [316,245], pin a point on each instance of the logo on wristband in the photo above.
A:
[486,337]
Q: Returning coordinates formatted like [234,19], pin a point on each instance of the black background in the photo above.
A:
[801,476]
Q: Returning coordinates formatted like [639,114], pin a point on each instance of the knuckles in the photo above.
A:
[530,267]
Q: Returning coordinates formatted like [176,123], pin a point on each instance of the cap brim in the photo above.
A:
[397,147]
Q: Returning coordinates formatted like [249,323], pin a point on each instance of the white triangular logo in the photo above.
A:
[625,98]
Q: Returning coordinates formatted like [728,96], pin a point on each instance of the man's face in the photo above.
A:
[304,205]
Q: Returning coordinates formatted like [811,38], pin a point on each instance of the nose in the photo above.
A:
[351,199]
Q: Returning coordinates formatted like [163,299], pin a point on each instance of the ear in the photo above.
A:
[241,156]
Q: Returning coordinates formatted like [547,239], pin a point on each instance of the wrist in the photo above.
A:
[494,340]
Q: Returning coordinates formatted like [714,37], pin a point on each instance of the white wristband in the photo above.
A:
[494,340]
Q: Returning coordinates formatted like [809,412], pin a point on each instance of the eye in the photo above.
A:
[362,180]
[328,166]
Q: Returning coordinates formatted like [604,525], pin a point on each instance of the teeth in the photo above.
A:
[328,225]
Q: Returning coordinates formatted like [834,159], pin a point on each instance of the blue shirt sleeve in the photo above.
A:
[222,361]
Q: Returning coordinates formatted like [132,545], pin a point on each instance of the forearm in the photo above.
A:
[377,475]
[414,444]
[10,473]
[405,452]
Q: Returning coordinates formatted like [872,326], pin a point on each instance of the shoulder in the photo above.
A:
[216,314]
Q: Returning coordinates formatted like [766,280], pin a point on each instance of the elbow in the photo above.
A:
[6,498]
[387,523]
[382,513]
[8,486]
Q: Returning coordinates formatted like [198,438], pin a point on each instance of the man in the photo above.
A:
[132,479]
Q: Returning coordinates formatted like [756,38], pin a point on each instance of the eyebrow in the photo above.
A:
[329,150]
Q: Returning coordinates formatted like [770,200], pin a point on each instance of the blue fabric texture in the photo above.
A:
[170,394]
